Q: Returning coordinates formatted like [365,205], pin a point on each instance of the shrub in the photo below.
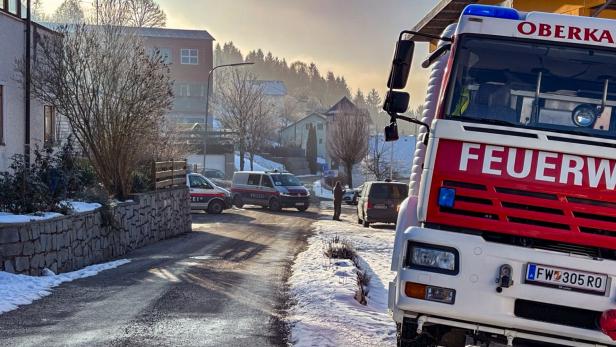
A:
[49,179]
[336,248]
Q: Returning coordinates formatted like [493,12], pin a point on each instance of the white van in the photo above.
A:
[205,195]
[272,189]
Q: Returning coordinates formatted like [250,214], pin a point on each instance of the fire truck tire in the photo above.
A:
[215,207]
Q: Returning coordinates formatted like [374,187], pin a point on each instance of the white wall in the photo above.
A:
[213,161]
[12,38]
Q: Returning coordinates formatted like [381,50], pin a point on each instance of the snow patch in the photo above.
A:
[326,313]
[19,290]
[9,218]
[80,207]
[77,206]
[260,164]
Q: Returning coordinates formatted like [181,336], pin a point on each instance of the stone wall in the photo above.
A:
[72,242]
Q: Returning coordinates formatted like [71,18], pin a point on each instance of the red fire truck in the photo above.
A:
[509,234]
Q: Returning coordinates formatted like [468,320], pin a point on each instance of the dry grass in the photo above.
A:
[337,248]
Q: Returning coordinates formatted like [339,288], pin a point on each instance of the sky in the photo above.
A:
[353,38]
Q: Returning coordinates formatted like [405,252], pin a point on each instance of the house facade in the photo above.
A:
[190,58]
[296,134]
[42,125]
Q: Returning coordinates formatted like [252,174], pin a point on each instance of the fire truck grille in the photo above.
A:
[548,215]
[556,314]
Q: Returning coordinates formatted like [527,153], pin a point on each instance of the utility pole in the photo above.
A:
[207,104]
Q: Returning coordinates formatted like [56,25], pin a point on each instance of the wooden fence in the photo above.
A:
[167,174]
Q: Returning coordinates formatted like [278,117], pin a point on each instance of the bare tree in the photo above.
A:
[377,163]
[347,139]
[38,14]
[69,12]
[238,98]
[260,128]
[145,14]
[112,93]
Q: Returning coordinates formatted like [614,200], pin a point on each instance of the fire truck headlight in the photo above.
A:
[584,115]
[433,258]
[446,197]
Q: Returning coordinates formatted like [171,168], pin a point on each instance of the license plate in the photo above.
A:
[300,204]
[380,207]
[567,279]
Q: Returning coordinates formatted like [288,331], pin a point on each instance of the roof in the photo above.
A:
[273,88]
[154,32]
[443,14]
[323,117]
[175,33]
[343,104]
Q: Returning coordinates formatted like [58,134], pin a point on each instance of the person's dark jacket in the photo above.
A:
[338,193]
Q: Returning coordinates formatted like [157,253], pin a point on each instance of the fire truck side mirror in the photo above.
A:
[396,102]
[391,133]
[401,66]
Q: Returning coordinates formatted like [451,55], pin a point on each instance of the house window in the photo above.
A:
[307,126]
[165,54]
[1,115]
[190,56]
[183,90]
[50,125]
[320,126]
[321,141]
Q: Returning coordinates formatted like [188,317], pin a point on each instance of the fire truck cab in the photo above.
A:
[509,234]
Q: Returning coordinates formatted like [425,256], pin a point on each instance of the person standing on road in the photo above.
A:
[338,193]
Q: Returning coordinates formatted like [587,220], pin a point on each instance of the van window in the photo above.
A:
[267,182]
[285,180]
[199,182]
[388,191]
[253,179]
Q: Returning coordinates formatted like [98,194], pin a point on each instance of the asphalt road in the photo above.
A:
[221,285]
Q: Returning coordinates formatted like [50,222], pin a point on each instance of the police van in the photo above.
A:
[207,196]
[272,189]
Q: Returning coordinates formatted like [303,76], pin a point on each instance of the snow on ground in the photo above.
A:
[19,290]
[77,206]
[326,314]
[321,191]
[260,164]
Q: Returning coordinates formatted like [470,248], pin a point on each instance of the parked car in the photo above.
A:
[207,196]
[217,176]
[272,189]
[379,202]
[351,195]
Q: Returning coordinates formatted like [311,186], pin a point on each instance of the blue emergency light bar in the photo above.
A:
[491,11]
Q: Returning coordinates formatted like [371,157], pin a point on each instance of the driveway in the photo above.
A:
[221,285]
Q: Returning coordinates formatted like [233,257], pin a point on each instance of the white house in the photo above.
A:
[42,125]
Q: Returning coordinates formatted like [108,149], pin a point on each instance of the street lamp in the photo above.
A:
[207,103]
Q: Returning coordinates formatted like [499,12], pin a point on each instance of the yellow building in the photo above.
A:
[448,11]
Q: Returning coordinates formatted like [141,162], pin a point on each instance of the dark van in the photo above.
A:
[275,190]
[379,202]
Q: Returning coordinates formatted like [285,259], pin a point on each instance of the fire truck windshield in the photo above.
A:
[534,84]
